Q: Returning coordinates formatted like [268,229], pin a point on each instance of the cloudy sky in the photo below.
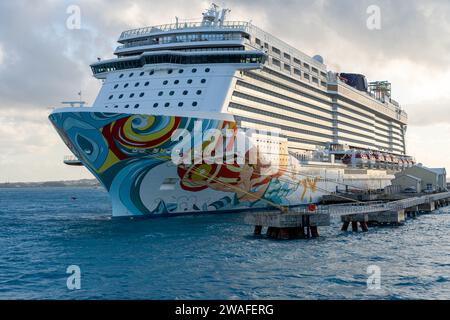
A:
[42,62]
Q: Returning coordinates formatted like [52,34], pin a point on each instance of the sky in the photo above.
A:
[43,61]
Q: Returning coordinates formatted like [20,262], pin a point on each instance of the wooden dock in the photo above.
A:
[304,223]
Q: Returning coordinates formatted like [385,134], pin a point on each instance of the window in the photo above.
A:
[306,65]
[185,92]
[323,74]
[194,104]
[165,82]
[287,67]
[167,105]
[170,71]
[306,76]
[266,45]
[323,83]
[160,93]
[131,74]
[315,70]
[189,81]
[297,72]
[136,106]
[199,92]
[203,81]
[110,97]
[258,41]
[315,80]
[180,71]
[121,96]
[146,84]
[137,84]
[121,76]
[125,85]
[171,93]
[106,106]
[116,86]
[142,94]
[127,106]
[132,95]
[287,56]
[180,104]
[176,82]
[116,106]
[207,70]
[155,105]
[276,50]
[276,62]
[297,61]
[194,70]
[141,74]
[152,72]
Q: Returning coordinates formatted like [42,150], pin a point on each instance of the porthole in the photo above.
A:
[110,97]
[127,106]
[146,84]
[199,92]
[180,104]
[136,106]
[126,85]
[194,70]
[121,76]
[155,105]
[141,74]
[106,106]
[142,94]
[131,74]
[176,82]
[194,104]
[152,72]
[137,84]
[132,95]
[167,105]
[165,82]
[171,93]
[180,71]
[207,70]
[121,96]
[189,81]
[116,106]
[203,81]
[160,93]
[170,71]
[185,92]
[116,86]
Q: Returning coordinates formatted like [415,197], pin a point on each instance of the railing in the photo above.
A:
[181,26]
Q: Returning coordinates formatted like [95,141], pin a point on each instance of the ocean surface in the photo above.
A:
[43,231]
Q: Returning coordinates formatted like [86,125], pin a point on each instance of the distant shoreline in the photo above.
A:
[51,184]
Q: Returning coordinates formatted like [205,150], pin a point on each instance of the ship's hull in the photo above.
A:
[132,156]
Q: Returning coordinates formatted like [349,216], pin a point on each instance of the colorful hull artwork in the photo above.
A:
[131,156]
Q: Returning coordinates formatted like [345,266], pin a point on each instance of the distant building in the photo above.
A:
[421,179]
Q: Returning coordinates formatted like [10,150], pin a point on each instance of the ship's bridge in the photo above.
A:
[212,32]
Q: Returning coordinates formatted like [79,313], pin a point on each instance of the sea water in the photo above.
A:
[44,231]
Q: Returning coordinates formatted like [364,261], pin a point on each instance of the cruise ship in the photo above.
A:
[315,131]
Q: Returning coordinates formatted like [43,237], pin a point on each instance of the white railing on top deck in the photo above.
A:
[180,26]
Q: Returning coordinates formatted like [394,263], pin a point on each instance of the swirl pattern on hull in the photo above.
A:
[131,156]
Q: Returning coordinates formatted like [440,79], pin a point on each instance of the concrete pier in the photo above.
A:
[301,223]
[294,224]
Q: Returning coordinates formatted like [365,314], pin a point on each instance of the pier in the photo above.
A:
[303,223]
